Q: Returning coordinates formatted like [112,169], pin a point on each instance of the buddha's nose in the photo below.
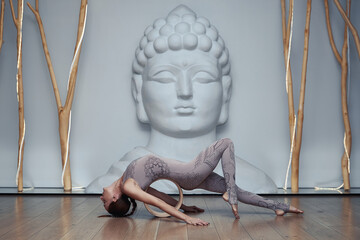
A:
[184,88]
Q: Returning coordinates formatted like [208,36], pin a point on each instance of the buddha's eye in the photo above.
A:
[204,77]
[163,77]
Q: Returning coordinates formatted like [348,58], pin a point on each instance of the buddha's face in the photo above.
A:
[182,93]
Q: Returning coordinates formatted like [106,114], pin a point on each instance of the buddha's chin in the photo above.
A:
[185,127]
[185,130]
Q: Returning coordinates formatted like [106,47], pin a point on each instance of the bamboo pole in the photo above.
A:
[351,27]
[2,13]
[18,21]
[64,112]
[297,148]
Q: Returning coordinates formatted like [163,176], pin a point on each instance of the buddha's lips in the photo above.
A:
[185,109]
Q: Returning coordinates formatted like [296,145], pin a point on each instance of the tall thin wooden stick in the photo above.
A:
[328,25]
[286,30]
[64,112]
[351,27]
[2,13]
[345,114]
[348,138]
[296,152]
[344,71]
[20,92]
[286,36]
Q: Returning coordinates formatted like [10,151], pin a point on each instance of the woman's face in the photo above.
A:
[111,194]
[107,197]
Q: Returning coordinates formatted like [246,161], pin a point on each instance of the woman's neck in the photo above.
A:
[183,149]
[118,184]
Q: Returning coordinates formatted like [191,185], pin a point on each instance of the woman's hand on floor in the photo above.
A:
[195,221]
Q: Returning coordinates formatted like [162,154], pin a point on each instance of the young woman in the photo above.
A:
[195,174]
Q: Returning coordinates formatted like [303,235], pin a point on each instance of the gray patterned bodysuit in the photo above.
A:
[198,173]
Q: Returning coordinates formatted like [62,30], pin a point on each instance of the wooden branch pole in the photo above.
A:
[344,71]
[2,13]
[328,26]
[64,112]
[20,92]
[297,148]
[351,27]
[345,114]
[286,37]
[348,139]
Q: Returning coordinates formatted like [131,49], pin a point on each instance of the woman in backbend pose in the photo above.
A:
[195,174]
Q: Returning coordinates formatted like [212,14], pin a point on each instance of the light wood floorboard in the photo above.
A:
[78,217]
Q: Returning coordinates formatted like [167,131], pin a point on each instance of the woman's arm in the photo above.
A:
[171,201]
[133,190]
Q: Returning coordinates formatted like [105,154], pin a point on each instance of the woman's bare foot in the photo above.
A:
[292,209]
[234,207]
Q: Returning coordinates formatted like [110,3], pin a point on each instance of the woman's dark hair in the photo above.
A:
[122,206]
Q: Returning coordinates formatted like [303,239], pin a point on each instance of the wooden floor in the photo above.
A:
[76,217]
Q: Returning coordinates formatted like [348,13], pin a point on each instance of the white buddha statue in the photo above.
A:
[182,86]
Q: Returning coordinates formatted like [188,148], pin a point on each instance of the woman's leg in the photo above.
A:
[203,165]
[216,183]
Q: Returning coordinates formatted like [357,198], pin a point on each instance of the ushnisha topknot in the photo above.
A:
[181,29]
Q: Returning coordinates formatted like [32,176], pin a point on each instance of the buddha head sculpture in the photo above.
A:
[181,75]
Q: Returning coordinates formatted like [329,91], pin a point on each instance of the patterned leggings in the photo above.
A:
[198,173]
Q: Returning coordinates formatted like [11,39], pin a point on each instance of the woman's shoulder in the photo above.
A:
[130,185]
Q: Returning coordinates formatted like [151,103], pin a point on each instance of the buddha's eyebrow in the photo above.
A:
[201,68]
[193,68]
[157,69]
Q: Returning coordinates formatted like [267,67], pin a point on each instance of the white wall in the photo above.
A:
[104,124]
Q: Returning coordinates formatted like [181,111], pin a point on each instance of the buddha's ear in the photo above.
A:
[136,85]
[226,83]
